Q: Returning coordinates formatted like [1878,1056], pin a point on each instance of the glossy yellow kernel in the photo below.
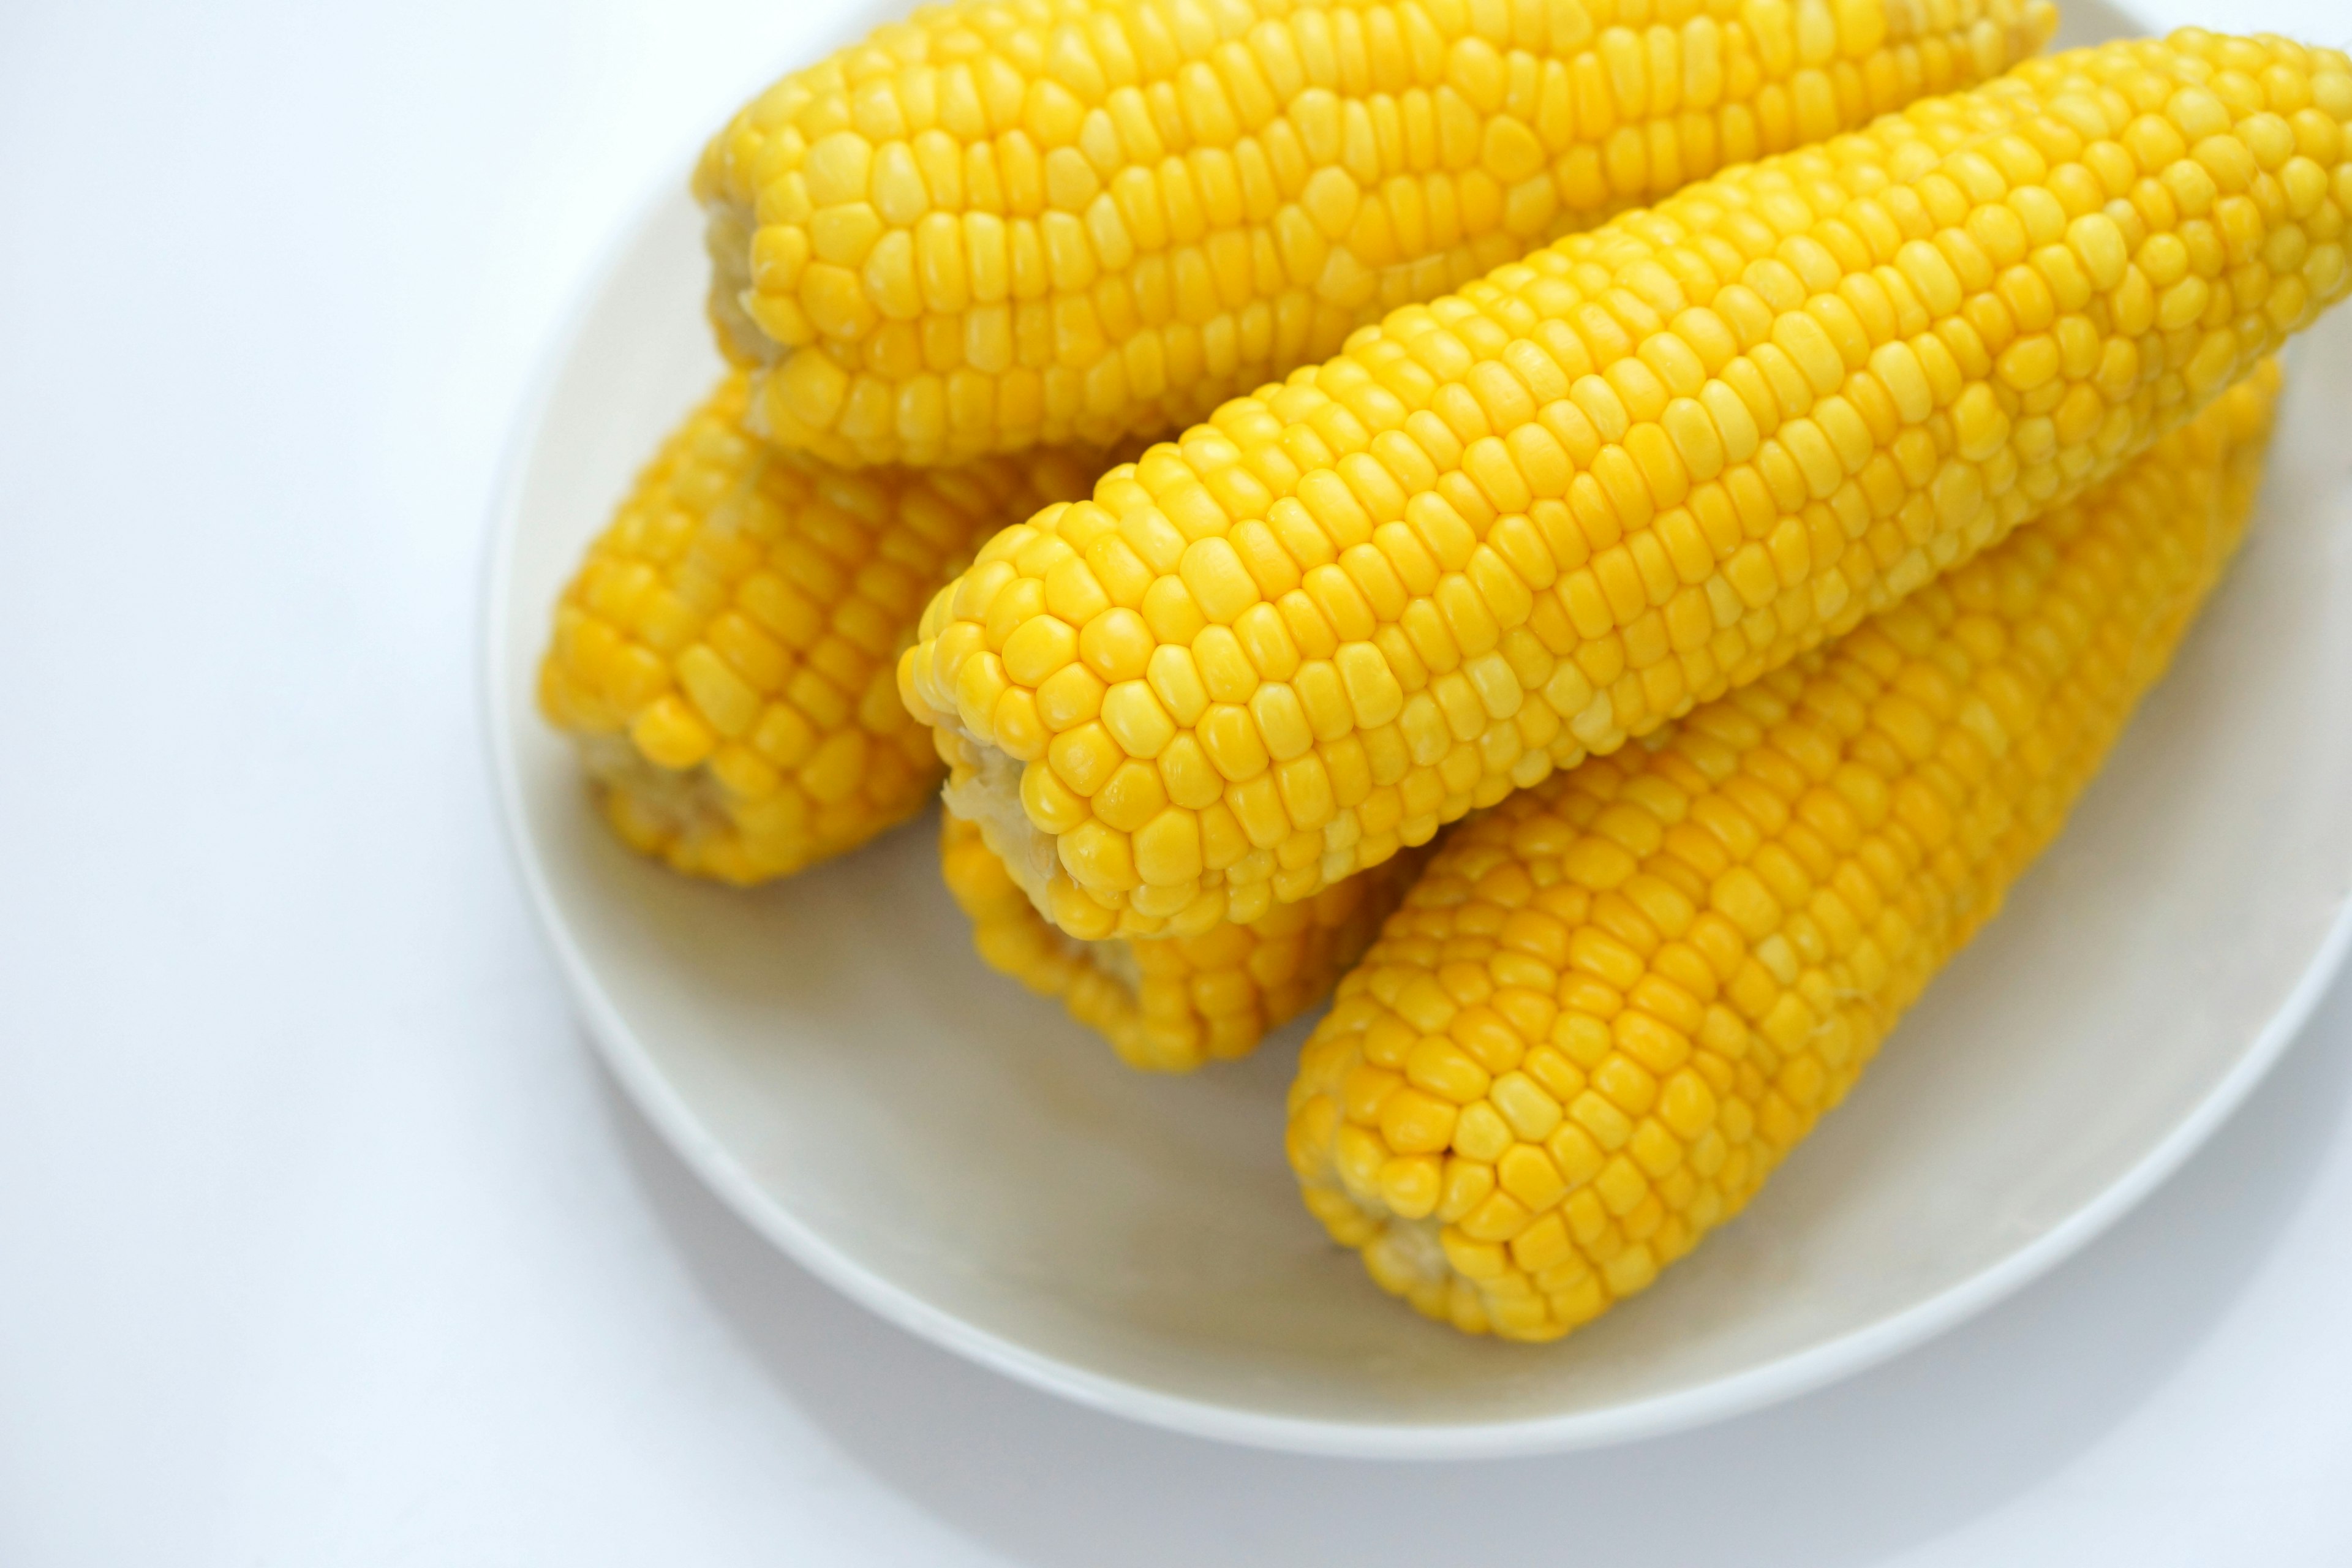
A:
[1097,853]
[1168,848]
[1527,1174]
[1532,1112]
[1050,802]
[671,735]
[1444,1069]
[2030,363]
[1084,758]
[1137,720]
[1192,780]
[1041,645]
[1414,1122]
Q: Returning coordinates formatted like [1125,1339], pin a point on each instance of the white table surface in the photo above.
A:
[323,1238]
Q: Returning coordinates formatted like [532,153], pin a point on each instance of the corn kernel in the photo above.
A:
[1173,1003]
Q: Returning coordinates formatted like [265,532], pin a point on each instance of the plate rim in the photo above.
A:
[632,1064]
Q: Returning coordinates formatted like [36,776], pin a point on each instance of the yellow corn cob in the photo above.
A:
[1173,1003]
[1614,1003]
[1528,522]
[724,656]
[999,225]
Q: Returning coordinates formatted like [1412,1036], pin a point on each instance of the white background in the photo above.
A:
[324,1240]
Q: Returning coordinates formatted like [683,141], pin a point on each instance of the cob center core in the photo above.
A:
[989,797]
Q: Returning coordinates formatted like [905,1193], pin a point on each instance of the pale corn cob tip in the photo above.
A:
[724,656]
[997,225]
[1614,1004]
[1173,1003]
[1524,524]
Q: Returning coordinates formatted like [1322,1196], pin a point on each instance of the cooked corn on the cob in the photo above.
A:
[724,656]
[1173,1003]
[1614,1003]
[998,225]
[1524,524]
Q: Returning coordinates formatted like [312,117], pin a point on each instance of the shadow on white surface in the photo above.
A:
[1901,1455]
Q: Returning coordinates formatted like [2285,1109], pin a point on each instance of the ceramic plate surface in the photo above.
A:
[831,1057]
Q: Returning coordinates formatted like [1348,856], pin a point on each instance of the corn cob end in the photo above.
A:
[724,659]
[1170,1004]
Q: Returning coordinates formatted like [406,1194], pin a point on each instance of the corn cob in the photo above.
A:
[1524,524]
[999,225]
[1614,1003]
[723,658]
[1173,1003]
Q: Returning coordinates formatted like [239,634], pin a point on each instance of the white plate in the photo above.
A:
[830,1056]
